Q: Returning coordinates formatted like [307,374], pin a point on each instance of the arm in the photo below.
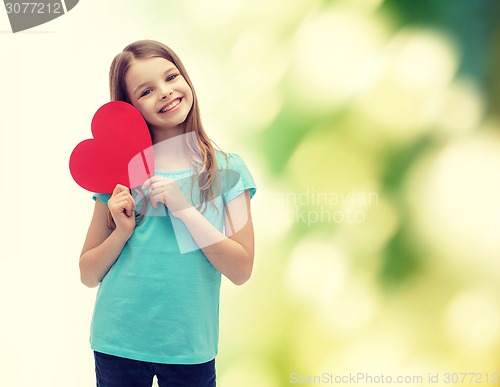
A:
[233,255]
[103,245]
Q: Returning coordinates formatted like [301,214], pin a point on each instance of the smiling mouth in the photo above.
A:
[171,105]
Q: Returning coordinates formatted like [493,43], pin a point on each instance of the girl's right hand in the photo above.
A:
[121,205]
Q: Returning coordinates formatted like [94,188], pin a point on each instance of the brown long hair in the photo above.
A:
[200,146]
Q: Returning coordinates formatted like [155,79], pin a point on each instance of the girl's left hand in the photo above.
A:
[165,190]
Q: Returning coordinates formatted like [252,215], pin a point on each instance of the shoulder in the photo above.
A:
[226,160]
[235,174]
[102,196]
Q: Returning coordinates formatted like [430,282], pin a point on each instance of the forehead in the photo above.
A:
[145,69]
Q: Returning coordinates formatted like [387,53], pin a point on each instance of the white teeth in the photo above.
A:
[171,106]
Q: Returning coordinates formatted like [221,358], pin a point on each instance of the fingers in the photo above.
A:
[157,186]
[156,194]
[120,188]
[125,204]
[150,181]
[156,181]
[159,196]
[122,200]
[157,189]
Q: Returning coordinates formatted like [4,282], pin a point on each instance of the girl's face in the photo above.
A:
[157,89]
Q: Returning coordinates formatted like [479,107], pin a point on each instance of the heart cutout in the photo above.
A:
[121,151]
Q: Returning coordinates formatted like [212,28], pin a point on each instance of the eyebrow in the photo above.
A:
[145,83]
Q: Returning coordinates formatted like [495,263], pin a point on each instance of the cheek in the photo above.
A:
[190,98]
[188,92]
[143,108]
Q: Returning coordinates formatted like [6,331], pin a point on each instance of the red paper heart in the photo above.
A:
[121,151]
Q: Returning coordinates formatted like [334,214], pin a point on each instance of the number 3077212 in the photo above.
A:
[54,8]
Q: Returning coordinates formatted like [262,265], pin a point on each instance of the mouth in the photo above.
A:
[171,106]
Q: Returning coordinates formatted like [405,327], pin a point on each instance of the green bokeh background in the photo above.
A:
[395,103]
[372,130]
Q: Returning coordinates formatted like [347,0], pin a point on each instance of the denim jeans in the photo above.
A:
[113,371]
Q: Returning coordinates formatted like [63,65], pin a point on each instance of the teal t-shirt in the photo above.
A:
[159,302]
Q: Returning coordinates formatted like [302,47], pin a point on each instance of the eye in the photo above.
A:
[145,92]
[171,77]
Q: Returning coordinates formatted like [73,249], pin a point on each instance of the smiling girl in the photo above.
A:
[157,253]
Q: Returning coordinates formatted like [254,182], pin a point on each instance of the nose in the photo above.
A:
[166,91]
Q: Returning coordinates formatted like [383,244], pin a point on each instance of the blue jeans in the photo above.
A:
[113,371]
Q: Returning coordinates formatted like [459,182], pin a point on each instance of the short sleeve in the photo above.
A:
[103,197]
[238,178]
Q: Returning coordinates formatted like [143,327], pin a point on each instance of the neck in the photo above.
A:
[158,136]
[173,152]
